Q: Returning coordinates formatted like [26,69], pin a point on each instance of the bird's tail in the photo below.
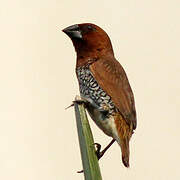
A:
[124,134]
[125,151]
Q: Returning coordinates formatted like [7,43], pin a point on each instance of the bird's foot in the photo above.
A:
[69,106]
[80,171]
[100,153]
[98,150]
[78,100]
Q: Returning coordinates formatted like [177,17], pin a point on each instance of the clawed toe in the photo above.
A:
[80,171]
[98,150]
[100,153]
[69,106]
[77,100]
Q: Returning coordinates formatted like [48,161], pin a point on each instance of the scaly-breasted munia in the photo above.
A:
[103,84]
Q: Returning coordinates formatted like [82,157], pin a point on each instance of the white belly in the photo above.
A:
[104,122]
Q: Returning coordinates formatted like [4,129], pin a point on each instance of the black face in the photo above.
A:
[77,31]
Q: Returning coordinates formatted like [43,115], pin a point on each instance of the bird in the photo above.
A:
[103,84]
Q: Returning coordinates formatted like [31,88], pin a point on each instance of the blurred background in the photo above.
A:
[38,137]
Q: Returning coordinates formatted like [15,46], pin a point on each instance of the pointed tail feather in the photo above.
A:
[124,134]
[125,152]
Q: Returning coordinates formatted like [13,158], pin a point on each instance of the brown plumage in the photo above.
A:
[104,84]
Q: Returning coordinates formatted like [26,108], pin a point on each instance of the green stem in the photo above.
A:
[86,142]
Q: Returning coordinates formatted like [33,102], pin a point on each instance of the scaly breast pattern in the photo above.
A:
[89,88]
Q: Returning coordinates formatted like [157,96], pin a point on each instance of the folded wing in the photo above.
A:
[112,78]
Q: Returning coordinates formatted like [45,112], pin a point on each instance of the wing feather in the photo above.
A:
[113,80]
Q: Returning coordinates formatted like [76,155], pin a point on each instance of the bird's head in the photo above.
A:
[89,39]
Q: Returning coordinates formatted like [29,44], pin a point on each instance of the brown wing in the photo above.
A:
[113,80]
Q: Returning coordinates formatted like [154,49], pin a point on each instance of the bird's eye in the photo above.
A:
[90,28]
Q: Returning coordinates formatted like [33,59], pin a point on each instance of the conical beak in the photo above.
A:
[73,32]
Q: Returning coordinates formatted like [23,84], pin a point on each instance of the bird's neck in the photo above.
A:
[87,57]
